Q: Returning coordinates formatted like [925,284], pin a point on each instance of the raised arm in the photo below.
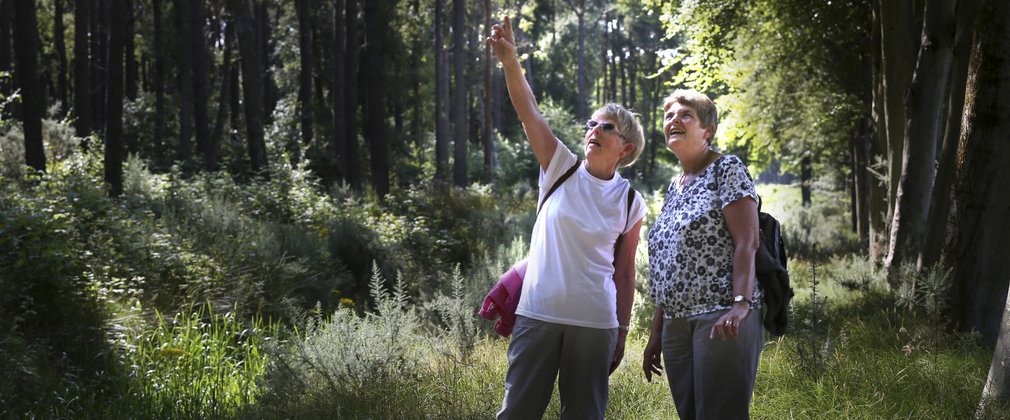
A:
[541,139]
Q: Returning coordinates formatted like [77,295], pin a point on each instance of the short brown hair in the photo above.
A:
[708,113]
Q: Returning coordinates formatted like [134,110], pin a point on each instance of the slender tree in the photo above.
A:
[252,83]
[185,78]
[61,56]
[6,58]
[224,89]
[26,50]
[376,28]
[201,85]
[579,8]
[159,79]
[351,160]
[339,91]
[114,126]
[459,92]
[488,140]
[441,96]
[304,11]
[130,50]
[923,107]
[82,68]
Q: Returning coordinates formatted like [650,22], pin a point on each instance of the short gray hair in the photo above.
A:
[631,129]
[708,113]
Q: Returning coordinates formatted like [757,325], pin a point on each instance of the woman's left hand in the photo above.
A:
[728,325]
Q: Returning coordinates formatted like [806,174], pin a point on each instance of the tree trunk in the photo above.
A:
[61,56]
[6,57]
[923,107]
[861,182]
[351,161]
[982,153]
[130,52]
[252,83]
[441,96]
[99,54]
[876,188]
[26,56]
[978,226]
[114,125]
[304,12]
[201,86]
[806,179]
[159,82]
[376,27]
[898,52]
[271,93]
[416,100]
[82,67]
[939,205]
[184,16]
[489,153]
[338,92]
[224,89]
[459,92]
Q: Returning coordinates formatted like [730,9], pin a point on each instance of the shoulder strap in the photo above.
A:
[558,183]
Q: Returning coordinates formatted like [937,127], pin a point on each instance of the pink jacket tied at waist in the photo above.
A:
[502,300]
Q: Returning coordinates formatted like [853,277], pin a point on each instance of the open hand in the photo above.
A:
[502,41]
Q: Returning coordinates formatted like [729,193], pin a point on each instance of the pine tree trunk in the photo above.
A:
[898,52]
[61,56]
[876,189]
[376,27]
[489,154]
[6,55]
[82,68]
[201,86]
[114,125]
[339,92]
[304,12]
[130,52]
[441,96]
[160,146]
[99,53]
[185,81]
[252,83]
[224,89]
[352,162]
[459,92]
[978,225]
[26,56]
[939,205]
[923,107]
[271,93]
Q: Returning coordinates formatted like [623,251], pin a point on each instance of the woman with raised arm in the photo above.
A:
[707,324]
[575,305]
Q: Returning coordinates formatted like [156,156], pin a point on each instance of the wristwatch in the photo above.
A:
[740,298]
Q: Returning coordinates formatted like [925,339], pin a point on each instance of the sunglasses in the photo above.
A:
[605,126]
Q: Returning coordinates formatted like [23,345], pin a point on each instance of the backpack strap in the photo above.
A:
[557,184]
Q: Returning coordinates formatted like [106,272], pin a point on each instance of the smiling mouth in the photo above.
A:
[592,142]
[672,132]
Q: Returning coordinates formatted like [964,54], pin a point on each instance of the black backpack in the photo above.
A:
[772,274]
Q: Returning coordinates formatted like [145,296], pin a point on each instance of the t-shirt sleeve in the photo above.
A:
[734,182]
[561,162]
[637,212]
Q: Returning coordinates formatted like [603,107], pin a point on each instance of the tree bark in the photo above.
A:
[441,96]
[898,57]
[271,93]
[579,6]
[939,205]
[376,27]
[459,92]
[6,56]
[923,107]
[806,179]
[224,91]
[978,224]
[304,12]
[99,54]
[26,56]
[252,83]
[114,125]
[201,86]
[82,67]
[351,160]
[876,188]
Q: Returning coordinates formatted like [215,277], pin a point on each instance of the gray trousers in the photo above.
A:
[712,378]
[539,352]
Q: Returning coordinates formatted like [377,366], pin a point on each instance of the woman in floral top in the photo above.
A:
[701,271]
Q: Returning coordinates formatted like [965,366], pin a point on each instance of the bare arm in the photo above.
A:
[541,139]
[741,219]
[624,278]
[652,360]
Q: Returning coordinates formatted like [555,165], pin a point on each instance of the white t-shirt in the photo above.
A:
[570,277]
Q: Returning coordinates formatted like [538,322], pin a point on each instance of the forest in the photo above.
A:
[294,209]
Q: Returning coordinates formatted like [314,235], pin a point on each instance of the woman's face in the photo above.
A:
[682,128]
[604,139]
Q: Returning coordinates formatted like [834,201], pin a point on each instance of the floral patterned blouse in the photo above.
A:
[690,247]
